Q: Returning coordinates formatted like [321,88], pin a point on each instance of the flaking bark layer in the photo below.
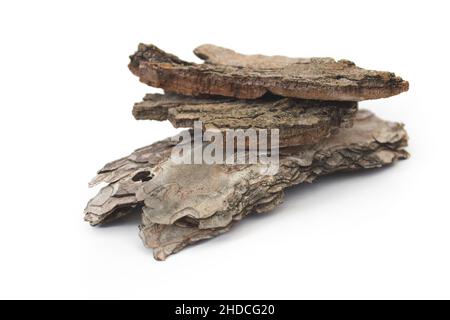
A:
[182,204]
[299,121]
[229,74]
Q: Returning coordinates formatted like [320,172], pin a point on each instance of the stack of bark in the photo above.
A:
[313,103]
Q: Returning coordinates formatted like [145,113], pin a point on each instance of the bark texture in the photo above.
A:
[249,77]
[183,204]
[123,178]
[299,121]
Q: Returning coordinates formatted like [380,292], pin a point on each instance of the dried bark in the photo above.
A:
[299,121]
[223,56]
[124,177]
[249,77]
[183,204]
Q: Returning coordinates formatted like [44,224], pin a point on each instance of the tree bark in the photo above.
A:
[299,121]
[251,77]
[182,204]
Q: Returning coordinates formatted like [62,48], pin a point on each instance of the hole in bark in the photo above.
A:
[269,96]
[142,176]
[187,222]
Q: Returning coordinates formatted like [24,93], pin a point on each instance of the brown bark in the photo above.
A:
[250,77]
[299,121]
[123,178]
[183,204]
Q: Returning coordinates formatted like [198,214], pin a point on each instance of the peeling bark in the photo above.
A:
[299,121]
[124,177]
[222,56]
[249,77]
[183,204]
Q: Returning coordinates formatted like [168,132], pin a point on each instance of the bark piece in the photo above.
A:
[251,77]
[183,206]
[299,121]
[187,203]
[223,56]
[124,177]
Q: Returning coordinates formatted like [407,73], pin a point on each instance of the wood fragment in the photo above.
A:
[299,121]
[123,178]
[249,77]
[183,204]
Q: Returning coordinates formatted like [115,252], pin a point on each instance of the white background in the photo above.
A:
[66,96]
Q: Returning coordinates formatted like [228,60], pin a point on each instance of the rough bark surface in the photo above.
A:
[223,56]
[124,177]
[182,204]
[249,77]
[299,121]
